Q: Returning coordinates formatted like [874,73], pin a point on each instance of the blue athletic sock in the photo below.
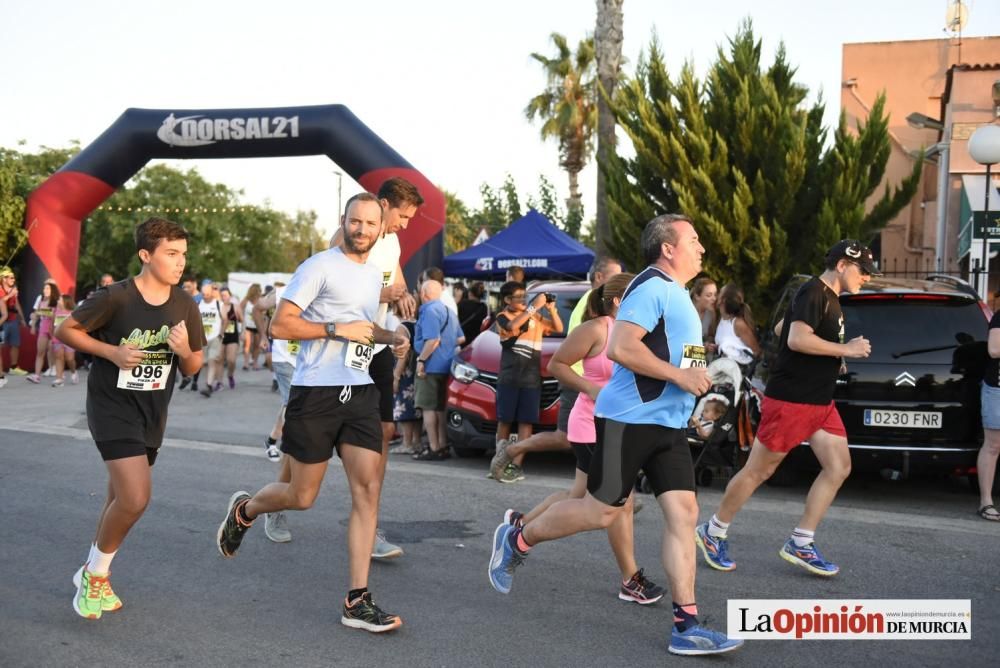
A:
[685,616]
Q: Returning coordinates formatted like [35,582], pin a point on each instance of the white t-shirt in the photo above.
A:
[211,318]
[329,287]
[448,299]
[385,257]
[281,350]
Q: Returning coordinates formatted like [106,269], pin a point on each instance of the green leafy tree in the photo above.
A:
[568,111]
[743,155]
[20,173]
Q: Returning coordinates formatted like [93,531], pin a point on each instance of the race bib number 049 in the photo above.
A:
[359,356]
[693,356]
[150,375]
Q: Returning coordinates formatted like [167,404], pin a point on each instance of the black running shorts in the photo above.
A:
[321,419]
[584,453]
[126,447]
[623,449]
[567,397]
[380,370]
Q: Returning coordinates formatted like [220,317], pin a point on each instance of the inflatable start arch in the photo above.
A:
[141,135]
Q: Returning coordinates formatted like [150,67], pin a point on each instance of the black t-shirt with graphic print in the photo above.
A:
[992,377]
[133,404]
[802,378]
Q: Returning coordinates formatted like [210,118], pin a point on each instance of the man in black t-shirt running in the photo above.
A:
[139,331]
[798,406]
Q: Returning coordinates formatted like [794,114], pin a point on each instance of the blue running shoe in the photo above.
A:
[700,640]
[715,550]
[504,559]
[809,558]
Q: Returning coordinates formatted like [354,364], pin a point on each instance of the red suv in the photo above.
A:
[472,388]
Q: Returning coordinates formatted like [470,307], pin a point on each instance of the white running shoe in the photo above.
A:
[383,549]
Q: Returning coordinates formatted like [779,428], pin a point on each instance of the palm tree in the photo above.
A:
[568,110]
[608,46]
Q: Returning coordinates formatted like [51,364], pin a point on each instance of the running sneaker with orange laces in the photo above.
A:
[89,595]
[109,600]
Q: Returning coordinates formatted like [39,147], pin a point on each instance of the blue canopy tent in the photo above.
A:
[532,242]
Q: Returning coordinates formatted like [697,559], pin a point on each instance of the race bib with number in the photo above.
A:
[231,327]
[693,356]
[59,320]
[359,355]
[293,347]
[208,324]
[386,279]
[150,375]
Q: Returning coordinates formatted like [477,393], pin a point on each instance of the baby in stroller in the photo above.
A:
[703,426]
[716,436]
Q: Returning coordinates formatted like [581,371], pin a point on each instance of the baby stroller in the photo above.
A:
[726,448]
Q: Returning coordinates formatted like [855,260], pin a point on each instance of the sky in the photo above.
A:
[445,82]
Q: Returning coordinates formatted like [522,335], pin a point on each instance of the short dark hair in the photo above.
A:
[148,234]
[477,290]
[601,263]
[659,231]
[462,289]
[362,197]
[509,288]
[434,274]
[516,273]
[399,192]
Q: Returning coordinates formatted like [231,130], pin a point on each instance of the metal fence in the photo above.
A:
[910,268]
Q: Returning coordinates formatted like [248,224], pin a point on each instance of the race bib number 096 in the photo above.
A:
[359,356]
[150,375]
[693,356]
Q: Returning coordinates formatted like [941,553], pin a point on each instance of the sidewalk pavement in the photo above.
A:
[243,416]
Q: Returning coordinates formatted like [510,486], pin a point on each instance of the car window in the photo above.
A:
[919,331]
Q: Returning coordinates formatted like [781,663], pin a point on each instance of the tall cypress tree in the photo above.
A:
[742,153]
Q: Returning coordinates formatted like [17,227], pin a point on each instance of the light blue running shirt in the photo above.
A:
[663,308]
[329,287]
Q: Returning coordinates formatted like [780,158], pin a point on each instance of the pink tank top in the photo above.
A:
[596,369]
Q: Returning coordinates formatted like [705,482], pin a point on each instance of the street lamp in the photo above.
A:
[984,148]
[340,180]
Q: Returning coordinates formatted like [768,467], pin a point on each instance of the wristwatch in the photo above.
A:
[331,330]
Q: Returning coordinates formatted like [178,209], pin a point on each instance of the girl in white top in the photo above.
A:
[734,336]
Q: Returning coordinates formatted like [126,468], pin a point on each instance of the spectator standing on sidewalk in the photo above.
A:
[472,311]
[65,357]
[986,462]
[41,326]
[436,338]
[11,317]
[519,384]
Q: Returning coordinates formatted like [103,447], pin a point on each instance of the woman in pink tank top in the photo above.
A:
[588,343]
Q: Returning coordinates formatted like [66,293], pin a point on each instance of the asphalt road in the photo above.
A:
[280,604]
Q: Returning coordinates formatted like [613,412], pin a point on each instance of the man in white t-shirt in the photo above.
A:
[212,323]
[399,199]
[330,307]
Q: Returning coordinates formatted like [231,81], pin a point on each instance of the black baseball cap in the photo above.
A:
[853,251]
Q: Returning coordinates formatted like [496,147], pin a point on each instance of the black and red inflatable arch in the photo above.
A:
[140,135]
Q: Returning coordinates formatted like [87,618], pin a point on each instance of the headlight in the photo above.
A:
[464,372]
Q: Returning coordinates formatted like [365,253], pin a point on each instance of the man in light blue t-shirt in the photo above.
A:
[435,338]
[641,415]
[330,307]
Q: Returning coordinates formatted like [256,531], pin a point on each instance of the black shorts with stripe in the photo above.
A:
[623,449]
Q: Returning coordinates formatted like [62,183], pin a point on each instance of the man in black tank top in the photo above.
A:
[798,406]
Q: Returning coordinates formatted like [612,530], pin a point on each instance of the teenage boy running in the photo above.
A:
[139,331]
